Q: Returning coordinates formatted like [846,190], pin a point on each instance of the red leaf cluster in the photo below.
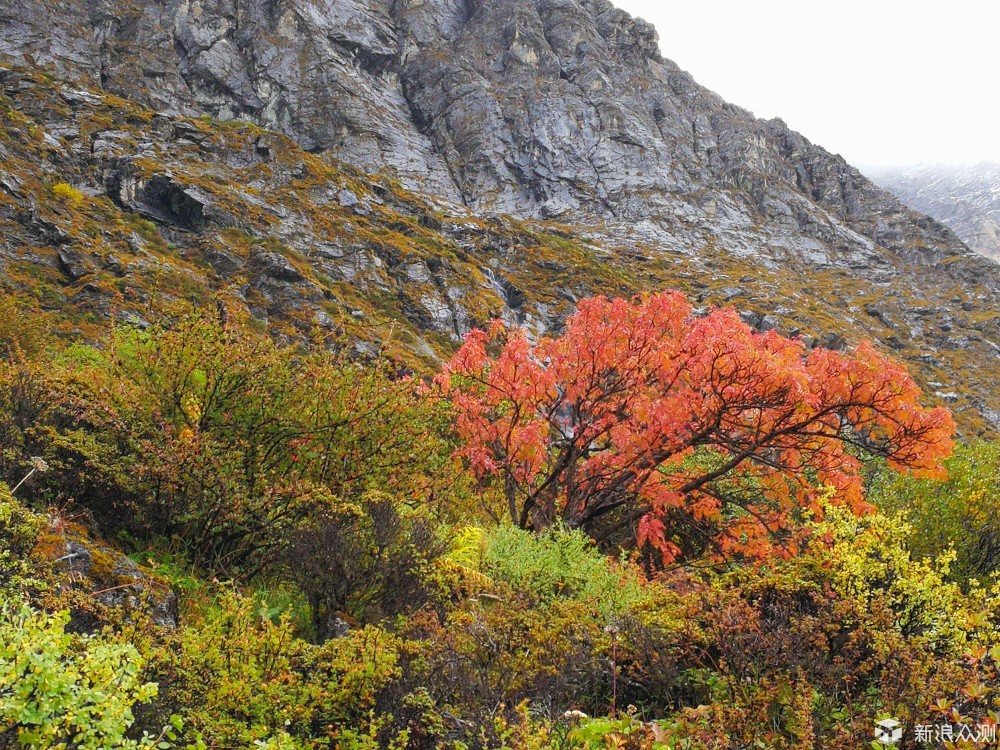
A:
[644,415]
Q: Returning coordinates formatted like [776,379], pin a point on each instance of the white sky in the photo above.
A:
[882,82]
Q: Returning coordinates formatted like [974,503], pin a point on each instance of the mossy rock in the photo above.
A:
[98,582]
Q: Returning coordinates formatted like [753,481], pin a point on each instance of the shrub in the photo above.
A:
[366,560]
[26,405]
[222,439]
[240,678]
[692,433]
[562,563]
[490,653]
[19,530]
[67,194]
[552,621]
[59,690]
[961,513]
[806,651]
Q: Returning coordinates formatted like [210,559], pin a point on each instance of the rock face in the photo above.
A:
[323,71]
[552,113]
[532,107]
[559,109]
[966,199]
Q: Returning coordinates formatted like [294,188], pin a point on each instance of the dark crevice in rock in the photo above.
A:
[376,63]
[167,201]
[159,198]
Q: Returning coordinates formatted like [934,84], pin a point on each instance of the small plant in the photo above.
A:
[612,733]
[562,563]
[67,194]
[19,530]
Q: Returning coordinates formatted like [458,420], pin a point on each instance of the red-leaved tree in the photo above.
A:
[696,433]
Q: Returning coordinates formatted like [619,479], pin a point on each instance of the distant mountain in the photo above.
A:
[964,198]
[445,161]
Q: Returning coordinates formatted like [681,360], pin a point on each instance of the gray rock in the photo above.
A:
[347,198]
[11,183]
[73,264]
[274,266]
[114,580]
[419,273]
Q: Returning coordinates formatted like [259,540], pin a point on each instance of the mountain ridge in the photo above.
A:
[556,111]
[966,198]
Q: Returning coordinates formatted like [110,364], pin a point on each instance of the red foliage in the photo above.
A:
[643,415]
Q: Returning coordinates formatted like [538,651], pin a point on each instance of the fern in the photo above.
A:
[467,555]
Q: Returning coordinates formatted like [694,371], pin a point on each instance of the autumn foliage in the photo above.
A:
[693,431]
[342,583]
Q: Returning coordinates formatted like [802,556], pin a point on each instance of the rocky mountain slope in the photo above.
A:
[964,198]
[405,170]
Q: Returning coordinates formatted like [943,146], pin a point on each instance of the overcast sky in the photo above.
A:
[882,82]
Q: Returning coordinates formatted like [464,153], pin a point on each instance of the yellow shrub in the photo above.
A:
[67,194]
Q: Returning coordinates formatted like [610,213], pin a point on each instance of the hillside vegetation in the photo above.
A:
[128,211]
[325,553]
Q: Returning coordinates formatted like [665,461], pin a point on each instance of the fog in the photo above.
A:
[884,83]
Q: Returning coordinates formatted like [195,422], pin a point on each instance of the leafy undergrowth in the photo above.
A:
[349,576]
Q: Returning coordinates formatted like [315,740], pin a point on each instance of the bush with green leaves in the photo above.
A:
[220,438]
[960,513]
[550,620]
[19,530]
[239,678]
[59,690]
[562,563]
[26,400]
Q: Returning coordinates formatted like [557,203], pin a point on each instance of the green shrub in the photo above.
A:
[961,513]
[59,691]
[19,530]
[804,652]
[239,678]
[562,563]
[226,441]
[551,620]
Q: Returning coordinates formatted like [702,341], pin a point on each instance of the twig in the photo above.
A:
[67,557]
[26,478]
[115,588]
[37,465]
